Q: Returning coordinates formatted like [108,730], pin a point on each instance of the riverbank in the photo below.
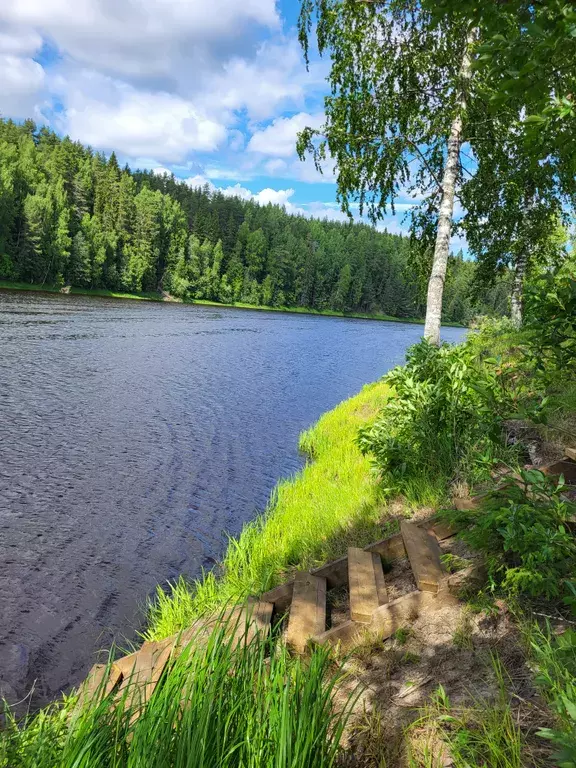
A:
[311,518]
[13,286]
[485,681]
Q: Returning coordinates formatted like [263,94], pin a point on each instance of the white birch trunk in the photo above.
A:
[518,289]
[446,212]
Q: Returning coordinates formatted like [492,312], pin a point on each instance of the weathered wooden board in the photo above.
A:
[424,555]
[308,611]
[380,581]
[362,583]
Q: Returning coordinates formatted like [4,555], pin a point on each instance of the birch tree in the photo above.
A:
[396,114]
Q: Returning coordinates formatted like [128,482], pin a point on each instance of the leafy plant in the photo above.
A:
[521,528]
[551,313]
[444,421]
[555,660]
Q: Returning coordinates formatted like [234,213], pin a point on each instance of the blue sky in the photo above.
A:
[214,91]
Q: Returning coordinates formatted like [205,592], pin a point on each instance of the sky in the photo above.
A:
[214,91]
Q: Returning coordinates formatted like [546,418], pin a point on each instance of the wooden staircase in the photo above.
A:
[304,601]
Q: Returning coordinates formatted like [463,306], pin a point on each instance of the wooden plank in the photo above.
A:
[280,596]
[141,672]
[308,611]
[391,548]
[387,618]
[101,681]
[380,581]
[335,572]
[397,613]
[565,467]
[570,453]
[251,619]
[424,555]
[465,505]
[344,633]
[362,582]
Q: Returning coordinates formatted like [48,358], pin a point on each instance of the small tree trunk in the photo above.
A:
[517,289]
[446,213]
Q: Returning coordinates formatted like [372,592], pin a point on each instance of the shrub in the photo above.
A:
[444,421]
[551,319]
[555,661]
[521,529]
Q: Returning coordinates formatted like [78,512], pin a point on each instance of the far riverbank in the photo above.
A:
[154,296]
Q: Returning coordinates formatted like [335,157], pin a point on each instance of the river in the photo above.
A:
[133,437]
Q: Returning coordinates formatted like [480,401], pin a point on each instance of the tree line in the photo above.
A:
[72,216]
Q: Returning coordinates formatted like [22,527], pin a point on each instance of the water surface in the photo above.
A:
[133,436]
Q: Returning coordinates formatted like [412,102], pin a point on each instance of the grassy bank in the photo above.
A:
[12,286]
[222,705]
[310,519]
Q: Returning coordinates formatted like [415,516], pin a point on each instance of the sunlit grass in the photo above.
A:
[223,704]
[310,519]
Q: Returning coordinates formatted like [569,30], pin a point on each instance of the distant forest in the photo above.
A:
[70,216]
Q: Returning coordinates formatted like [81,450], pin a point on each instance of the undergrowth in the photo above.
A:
[485,734]
[222,705]
[443,426]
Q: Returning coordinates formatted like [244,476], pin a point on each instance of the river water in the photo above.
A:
[133,437]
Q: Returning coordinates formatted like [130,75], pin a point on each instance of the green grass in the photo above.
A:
[554,661]
[222,705]
[486,734]
[11,286]
[310,519]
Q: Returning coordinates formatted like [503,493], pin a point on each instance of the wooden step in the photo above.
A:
[142,670]
[308,610]
[100,682]
[387,618]
[380,582]
[424,555]
[565,467]
[362,582]
[570,453]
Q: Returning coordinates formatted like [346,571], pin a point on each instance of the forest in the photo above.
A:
[72,216]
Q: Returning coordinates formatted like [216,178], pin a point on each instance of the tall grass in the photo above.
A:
[222,705]
[486,734]
[554,659]
[309,520]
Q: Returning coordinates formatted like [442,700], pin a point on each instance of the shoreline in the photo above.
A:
[150,296]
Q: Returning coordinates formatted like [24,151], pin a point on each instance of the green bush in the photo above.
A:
[521,529]
[551,319]
[444,423]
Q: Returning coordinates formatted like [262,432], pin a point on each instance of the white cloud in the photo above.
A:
[19,41]
[274,79]
[279,138]
[113,115]
[22,81]
[143,38]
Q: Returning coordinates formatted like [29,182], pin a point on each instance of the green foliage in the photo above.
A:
[522,531]
[443,423]
[551,320]
[223,704]
[70,216]
[555,661]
